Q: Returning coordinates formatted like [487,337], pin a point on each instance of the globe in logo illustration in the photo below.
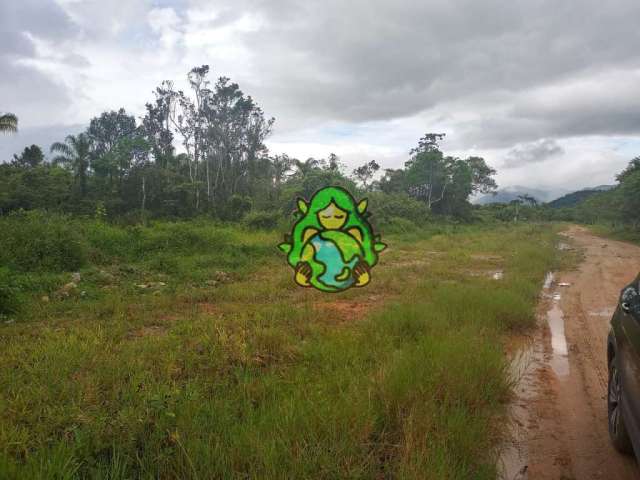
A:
[332,246]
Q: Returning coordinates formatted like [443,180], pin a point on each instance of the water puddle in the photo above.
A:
[513,462]
[525,363]
[560,354]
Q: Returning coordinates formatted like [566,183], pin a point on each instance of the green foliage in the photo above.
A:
[75,154]
[30,157]
[629,191]
[34,241]
[397,208]
[131,174]
[266,220]
[365,173]
[399,225]
[619,207]
[8,123]
[443,183]
[11,297]
[250,379]
[101,211]
[40,187]
[237,207]
[572,199]
[315,180]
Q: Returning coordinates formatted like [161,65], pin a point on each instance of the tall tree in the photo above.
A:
[364,173]
[482,180]
[75,153]
[109,128]
[632,168]
[29,158]
[236,129]
[445,183]
[156,124]
[304,168]
[333,163]
[281,166]
[8,123]
[116,144]
[428,172]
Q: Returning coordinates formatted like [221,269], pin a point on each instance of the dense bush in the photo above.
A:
[397,211]
[10,296]
[41,242]
[235,208]
[37,240]
[399,225]
[262,219]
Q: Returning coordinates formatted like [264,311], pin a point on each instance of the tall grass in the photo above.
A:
[259,379]
[622,232]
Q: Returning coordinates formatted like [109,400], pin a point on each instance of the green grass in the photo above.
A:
[619,232]
[256,378]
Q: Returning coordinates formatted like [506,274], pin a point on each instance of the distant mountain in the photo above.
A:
[601,188]
[574,198]
[508,194]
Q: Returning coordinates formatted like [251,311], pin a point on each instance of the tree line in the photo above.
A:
[619,206]
[202,151]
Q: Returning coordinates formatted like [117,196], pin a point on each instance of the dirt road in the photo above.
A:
[560,420]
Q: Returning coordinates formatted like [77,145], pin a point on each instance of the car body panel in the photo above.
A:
[624,343]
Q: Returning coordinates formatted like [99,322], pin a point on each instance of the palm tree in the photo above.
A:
[280,167]
[8,123]
[75,153]
[304,168]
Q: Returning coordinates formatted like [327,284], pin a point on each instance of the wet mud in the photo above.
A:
[558,427]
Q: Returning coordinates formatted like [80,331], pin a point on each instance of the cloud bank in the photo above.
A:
[524,83]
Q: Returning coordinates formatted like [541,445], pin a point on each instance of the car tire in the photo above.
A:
[617,430]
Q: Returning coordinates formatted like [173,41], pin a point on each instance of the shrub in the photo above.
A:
[399,225]
[263,220]
[10,295]
[41,241]
[108,241]
[236,208]
[387,208]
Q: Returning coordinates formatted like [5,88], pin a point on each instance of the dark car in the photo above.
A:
[623,354]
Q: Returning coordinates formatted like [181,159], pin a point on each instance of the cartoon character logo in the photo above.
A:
[332,246]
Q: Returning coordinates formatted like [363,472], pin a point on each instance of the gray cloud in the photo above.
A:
[496,76]
[377,60]
[534,152]
[37,98]
[43,18]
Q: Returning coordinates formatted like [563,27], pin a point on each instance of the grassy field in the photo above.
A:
[620,232]
[186,351]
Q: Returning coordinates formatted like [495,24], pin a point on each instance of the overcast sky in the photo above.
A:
[546,90]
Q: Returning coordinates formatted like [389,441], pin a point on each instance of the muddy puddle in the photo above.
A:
[525,362]
[558,413]
[513,463]
[559,360]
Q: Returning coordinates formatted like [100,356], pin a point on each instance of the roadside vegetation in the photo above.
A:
[614,211]
[184,350]
[151,329]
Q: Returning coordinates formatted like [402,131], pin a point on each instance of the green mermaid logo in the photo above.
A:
[332,246]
